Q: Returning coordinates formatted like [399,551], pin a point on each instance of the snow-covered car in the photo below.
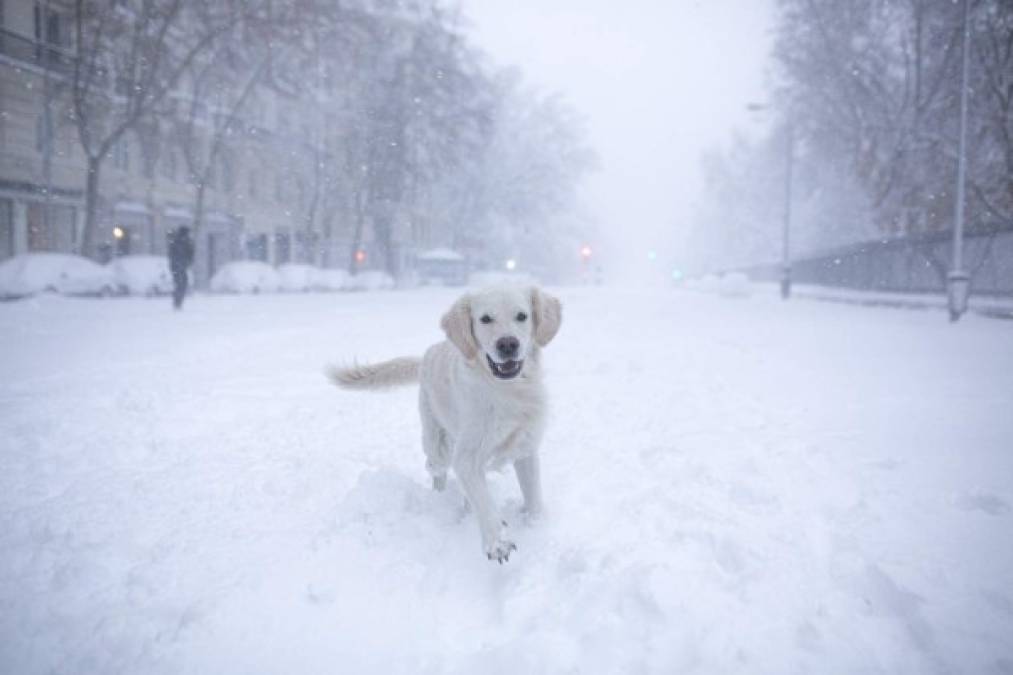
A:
[142,274]
[734,285]
[246,276]
[729,284]
[329,280]
[369,280]
[297,278]
[442,267]
[30,273]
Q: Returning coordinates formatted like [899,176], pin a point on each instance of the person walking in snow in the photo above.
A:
[180,259]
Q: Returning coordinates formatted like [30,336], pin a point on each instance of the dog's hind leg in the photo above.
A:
[434,444]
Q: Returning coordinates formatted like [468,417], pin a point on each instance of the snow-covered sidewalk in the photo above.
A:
[733,484]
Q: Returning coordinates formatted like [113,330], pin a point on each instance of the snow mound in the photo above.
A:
[329,280]
[142,274]
[734,285]
[30,273]
[246,276]
[296,278]
[369,280]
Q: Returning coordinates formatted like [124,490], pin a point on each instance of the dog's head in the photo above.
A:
[502,326]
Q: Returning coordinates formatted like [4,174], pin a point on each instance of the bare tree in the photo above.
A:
[131,55]
[213,106]
[878,83]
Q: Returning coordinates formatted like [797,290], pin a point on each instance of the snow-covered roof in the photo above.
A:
[441,254]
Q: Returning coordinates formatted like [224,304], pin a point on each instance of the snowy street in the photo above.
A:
[732,485]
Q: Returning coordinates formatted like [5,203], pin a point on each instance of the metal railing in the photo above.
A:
[916,263]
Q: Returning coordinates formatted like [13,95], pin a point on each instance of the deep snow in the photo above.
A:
[733,485]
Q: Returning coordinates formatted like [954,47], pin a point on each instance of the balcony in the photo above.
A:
[20,48]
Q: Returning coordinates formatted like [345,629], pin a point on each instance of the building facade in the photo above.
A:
[259,195]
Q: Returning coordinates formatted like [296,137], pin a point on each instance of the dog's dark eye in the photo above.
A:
[521,316]
[486,318]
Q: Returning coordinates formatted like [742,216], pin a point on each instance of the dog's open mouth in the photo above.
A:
[506,370]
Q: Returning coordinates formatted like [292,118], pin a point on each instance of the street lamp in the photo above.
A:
[511,264]
[958,281]
[789,161]
[585,258]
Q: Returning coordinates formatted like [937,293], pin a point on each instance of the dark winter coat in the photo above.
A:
[180,254]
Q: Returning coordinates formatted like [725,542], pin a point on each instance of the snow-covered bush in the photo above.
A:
[246,276]
[30,273]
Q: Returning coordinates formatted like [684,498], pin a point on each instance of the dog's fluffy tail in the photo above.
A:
[404,370]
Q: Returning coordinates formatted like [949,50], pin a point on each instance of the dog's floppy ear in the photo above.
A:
[547,313]
[456,323]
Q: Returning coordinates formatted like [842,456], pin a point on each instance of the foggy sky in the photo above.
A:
[658,81]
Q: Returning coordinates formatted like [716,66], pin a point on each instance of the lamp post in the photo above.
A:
[585,257]
[958,281]
[789,163]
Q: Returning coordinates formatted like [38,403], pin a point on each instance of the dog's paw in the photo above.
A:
[500,550]
[440,482]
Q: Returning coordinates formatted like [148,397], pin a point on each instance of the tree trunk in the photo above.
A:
[91,196]
[311,217]
[383,224]
[201,275]
[198,209]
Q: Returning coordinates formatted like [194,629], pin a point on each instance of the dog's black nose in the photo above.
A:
[507,347]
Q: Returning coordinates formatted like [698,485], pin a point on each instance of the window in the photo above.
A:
[6,228]
[49,28]
[121,154]
[256,247]
[43,133]
[279,188]
[282,248]
[252,185]
[228,178]
[57,233]
[149,156]
[169,163]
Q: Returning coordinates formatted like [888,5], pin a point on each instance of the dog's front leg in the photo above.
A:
[529,477]
[471,473]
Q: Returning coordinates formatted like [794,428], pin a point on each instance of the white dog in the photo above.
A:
[481,398]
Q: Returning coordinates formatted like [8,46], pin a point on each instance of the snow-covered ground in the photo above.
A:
[733,484]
